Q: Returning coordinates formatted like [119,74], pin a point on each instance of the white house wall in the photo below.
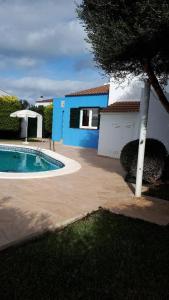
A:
[117,129]
[44,104]
[158,121]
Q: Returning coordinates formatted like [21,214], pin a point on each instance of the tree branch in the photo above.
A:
[155,84]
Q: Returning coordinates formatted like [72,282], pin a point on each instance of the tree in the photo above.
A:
[25,104]
[32,127]
[38,109]
[9,127]
[48,113]
[130,37]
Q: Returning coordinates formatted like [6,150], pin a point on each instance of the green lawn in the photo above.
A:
[104,256]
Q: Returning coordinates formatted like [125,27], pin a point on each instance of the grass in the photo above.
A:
[159,191]
[103,256]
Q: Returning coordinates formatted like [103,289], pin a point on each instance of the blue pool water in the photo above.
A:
[26,160]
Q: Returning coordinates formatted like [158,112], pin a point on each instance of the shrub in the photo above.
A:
[8,125]
[32,127]
[39,109]
[155,156]
[165,176]
[48,113]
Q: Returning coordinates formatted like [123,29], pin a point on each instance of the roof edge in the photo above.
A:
[122,106]
[100,90]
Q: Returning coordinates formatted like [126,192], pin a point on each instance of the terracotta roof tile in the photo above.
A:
[123,106]
[100,90]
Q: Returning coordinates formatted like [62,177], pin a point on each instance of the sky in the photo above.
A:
[43,51]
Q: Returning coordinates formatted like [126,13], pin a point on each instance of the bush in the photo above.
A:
[32,122]
[165,175]
[8,125]
[154,161]
[48,113]
[39,109]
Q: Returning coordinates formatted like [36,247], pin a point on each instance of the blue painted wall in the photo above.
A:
[58,111]
[61,120]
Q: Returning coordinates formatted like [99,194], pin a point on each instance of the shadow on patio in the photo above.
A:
[108,164]
[148,209]
[16,224]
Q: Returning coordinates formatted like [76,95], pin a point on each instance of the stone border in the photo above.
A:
[70,165]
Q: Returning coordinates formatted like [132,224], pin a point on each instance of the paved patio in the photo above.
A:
[28,207]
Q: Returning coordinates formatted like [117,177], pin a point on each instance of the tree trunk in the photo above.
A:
[142,140]
[155,84]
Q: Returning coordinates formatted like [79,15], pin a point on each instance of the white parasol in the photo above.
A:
[25,113]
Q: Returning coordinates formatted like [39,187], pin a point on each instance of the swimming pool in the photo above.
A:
[31,162]
[26,160]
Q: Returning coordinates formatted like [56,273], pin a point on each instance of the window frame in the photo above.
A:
[90,118]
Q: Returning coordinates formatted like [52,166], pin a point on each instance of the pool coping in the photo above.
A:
[70,165]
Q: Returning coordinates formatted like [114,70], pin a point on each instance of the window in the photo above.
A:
[89,118]
[86,118]
[74,117]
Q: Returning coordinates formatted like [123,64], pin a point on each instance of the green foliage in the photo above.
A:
[39,109]
[127,34]
[32,122]
[25,104]
[48,113]
[9,104]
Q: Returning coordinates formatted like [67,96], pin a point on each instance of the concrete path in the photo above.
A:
[30,206]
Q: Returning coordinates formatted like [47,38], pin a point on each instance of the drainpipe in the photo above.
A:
[142,139]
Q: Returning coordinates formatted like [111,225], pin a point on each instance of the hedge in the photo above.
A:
[9,104]
[48,112]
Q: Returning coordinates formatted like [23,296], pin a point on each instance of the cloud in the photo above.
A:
[18,62]
[32,87]
[127,89]
[83,64]
[38,38]
[40,28]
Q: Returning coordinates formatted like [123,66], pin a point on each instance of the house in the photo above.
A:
[120,124]
[76,117]
[105,119]
[43,102]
